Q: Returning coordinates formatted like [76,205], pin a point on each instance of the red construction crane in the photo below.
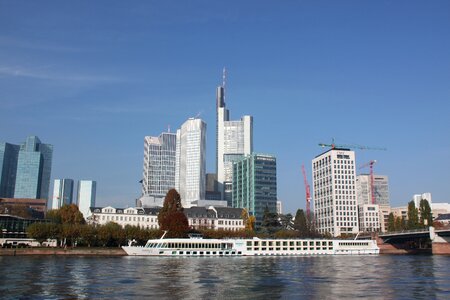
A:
[308,193]
[370,165]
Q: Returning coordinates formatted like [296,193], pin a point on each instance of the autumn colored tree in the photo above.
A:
[171,216]
[70,214]
[248,220]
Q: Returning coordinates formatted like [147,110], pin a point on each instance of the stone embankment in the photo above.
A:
[62,251]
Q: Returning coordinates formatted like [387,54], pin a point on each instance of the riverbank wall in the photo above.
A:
[62,251]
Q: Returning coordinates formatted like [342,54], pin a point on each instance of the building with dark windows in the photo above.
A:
[62,193]
[255,184]
[25,169]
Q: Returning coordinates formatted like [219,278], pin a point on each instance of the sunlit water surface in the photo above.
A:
[325,277]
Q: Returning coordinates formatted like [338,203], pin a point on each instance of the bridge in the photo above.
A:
[425,240]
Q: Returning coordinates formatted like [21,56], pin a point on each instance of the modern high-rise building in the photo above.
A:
[335,204]
[234,140]
[159,164]
[255,184]
[190,166]
[380,187]
[86,194]
[62,193]
[9,154]
[25,169]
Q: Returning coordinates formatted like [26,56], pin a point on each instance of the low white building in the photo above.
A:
[218,218]
[369,218]
[141,217]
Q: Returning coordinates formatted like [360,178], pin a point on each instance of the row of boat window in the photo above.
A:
[191,245]
[290,249]
[289,243]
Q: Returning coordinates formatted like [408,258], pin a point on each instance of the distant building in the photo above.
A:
[400,212]
[16,227]
[418,197]
[25,169]
[86,194]
[208,203]
[190,166]
[385,211]
[335,206]
[150,201]
[35,208]
[218,218]
[212,192]
[234,140]
[279,207]
[62,193]
[146,218]
[380,186]
[369,218]
[159,164]
[9,154]
[255,184]
[440,209]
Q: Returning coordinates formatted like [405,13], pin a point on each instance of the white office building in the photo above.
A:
[62,193]
[86,194]
[369,218]
[234,141]
[335,204]
[190,166]
[159,165]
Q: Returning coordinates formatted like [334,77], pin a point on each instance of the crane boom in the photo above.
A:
[353,146]
[372,186]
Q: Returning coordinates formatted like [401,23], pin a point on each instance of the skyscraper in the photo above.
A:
[234,140]
[86,194]
[159,164]
[335,207]
[255,184]
[190,166]
[25,169]
[8,167]
[62,193]
[380,187]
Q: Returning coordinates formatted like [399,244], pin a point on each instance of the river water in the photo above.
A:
[319,277]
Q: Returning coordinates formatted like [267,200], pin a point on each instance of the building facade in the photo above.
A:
[424,196]
[369,218]
[234,140]
[9,154]
[62,193]
[190,165]
[25,169]
[217,218]
[380,187]
[255,185]
[86,194]
[335,204]
[159,164]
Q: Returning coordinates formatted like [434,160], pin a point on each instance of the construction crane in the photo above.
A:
[372,190]
[308,193]
[333,145]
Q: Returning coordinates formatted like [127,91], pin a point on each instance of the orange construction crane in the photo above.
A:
[308,193]
[370,165]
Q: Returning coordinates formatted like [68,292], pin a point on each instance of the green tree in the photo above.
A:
[413,216]
[426,218]
[300,223]
[109,235]
[391,222]
[270,223]
[286,221]
[171,216]
[88,235]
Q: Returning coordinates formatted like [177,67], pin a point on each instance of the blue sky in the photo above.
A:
[94,77]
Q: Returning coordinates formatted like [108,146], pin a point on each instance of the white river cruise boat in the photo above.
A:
[252,247]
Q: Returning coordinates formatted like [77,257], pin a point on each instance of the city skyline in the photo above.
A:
[374,74]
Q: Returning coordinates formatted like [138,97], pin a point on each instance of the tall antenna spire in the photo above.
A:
[224,77]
